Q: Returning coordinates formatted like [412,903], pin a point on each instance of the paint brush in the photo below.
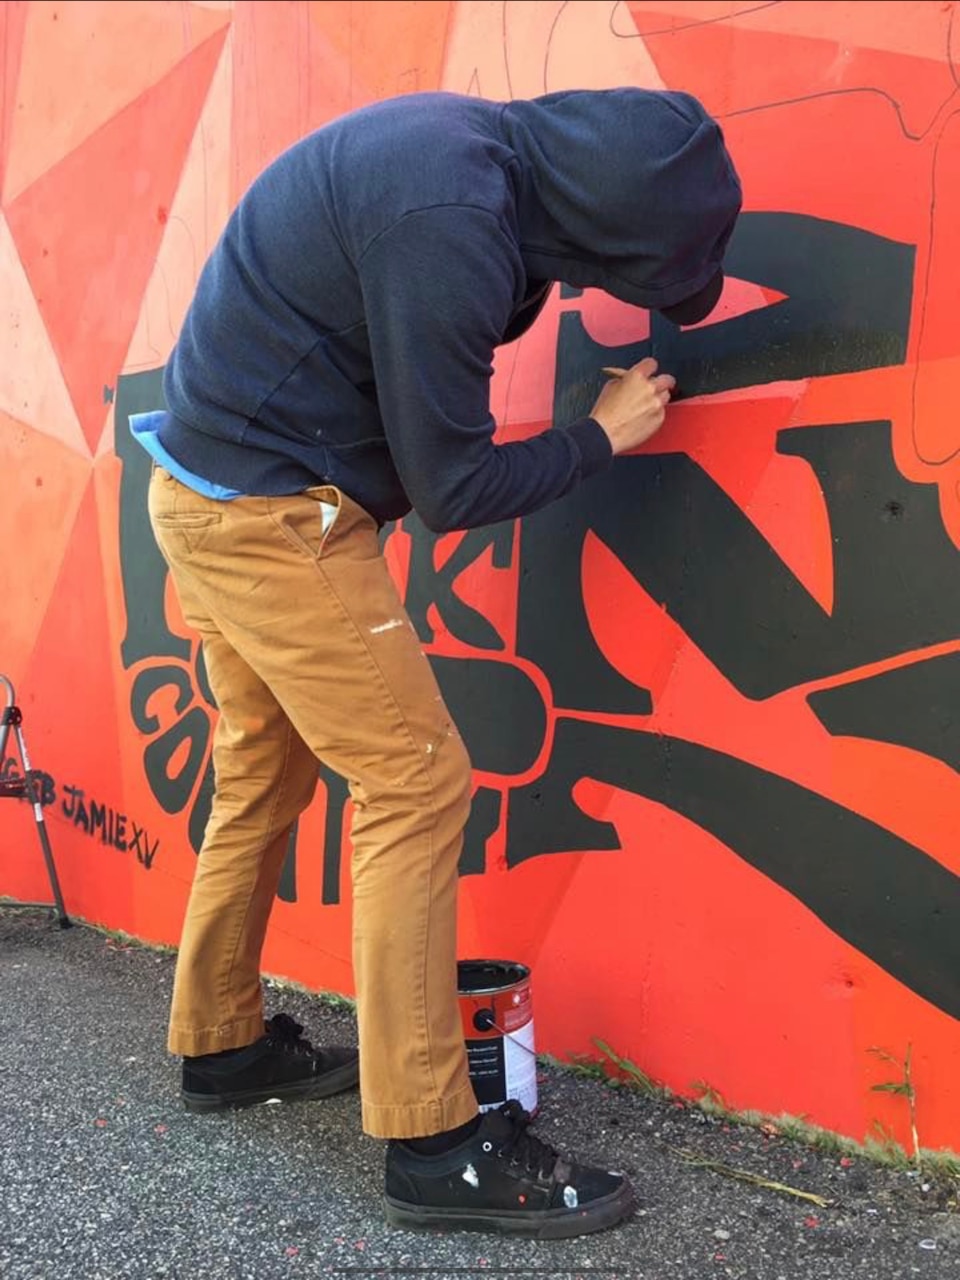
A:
[613,372]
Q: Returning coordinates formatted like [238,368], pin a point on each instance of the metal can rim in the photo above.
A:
[520,974]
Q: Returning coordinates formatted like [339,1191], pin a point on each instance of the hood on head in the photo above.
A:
[627,190]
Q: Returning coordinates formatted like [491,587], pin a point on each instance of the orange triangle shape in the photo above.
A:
[267,41]
[70,713]
[81,64]
[198,213]
[32,388]
[13,22]
[36,523]
[88,231]
[739,297]
[347,55]
[391,48]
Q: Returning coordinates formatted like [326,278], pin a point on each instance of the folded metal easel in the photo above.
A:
[27,786]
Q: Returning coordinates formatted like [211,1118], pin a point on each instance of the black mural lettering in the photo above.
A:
[98,820]
[43,786]
[913,706]
[144,850]
[69,801]
[553,631]
[200,810]
[287,888]
[143,576]
[82,817]
[481,825]
[142,568]
[847,308]
[498,710]
[542,817]
[696,552]
[174,792]
[879,893]
[150,681]
[429,585]
[337,795]
[203,680]
[896,570]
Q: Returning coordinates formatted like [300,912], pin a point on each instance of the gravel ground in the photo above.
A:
[104,1175]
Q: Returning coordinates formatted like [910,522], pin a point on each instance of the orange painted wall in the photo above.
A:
[713,699]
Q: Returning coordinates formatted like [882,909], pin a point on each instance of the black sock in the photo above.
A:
[438,1143]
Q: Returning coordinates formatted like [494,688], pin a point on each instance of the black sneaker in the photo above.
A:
[502,1179]
[281,1064]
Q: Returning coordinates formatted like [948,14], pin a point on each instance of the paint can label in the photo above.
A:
[497,1015]
[520,1067]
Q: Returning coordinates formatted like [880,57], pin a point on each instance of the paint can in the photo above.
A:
[496,1009]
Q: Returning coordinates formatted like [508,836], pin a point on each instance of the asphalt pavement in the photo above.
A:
[104,1175]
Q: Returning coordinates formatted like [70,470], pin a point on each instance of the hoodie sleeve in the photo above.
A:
[439,289]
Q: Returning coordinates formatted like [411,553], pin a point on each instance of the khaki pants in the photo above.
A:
[310,655]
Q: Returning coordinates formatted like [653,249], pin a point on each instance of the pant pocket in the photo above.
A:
[183,532]
[306,520]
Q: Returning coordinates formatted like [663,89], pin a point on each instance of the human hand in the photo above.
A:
[631,408]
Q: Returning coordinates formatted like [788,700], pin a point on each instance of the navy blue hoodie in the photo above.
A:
[344,327]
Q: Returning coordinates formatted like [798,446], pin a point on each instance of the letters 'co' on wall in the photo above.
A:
[712,698]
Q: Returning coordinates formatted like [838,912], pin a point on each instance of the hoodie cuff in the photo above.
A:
[596,452]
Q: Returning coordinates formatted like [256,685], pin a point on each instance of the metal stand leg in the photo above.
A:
[12,717]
